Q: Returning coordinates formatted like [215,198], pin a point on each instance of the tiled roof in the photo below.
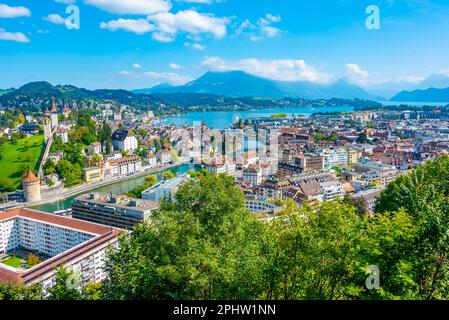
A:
[103,235]
[79,225]
[30,178]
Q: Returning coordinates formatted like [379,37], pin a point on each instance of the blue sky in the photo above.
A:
[140,43]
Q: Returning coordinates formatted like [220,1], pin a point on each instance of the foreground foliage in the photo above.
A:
[206,245]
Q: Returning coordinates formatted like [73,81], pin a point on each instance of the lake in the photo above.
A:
[223,119]
[116,188]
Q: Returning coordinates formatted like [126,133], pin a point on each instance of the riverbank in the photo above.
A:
[85,188]
[62,194]
[116,187]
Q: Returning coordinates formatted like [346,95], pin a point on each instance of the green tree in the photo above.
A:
[67,286]
[204,245]
[315,256]
[424,194]
[20,292]
[359,203]
[70,173]
[150,180]
[168,175]
[105,133]
[362,138]
[49,167]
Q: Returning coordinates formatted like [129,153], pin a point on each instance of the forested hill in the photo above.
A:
[36,96]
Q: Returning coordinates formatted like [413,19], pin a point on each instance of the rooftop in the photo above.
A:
[102,235]
[119,201]
[30,177]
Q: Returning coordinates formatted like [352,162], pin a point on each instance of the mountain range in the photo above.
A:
[233,90]
[241,84]
[427,95]
[37,96]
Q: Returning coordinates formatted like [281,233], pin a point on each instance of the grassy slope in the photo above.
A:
[16,157]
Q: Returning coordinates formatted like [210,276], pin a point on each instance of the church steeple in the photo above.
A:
[54,115]
[53,106]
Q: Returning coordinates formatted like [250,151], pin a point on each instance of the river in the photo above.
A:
[116,188]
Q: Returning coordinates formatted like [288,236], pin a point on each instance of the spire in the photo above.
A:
[53,106]
[30,177]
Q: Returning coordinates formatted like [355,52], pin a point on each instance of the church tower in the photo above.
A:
[31,187]
[47,126]
[66,111]
[54,114]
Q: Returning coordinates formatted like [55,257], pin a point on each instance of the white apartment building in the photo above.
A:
[122,167]
[332,189]
[151,160]
[123,140]
[63,134]
[95,147]
[226,168]
[260,206]
[165,188]
[334,157]
[253,174]
[77,245]
[164,156]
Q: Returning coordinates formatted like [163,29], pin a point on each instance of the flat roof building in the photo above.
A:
[113,210]
[58,241]
[165,189]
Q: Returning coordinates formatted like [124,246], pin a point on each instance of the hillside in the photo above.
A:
[241,84]
[427,95]
[36,97]
[18,157]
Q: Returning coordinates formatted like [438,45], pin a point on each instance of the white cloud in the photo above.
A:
[139,26]
[162,37]
[270,32]
[136,66]
[196,1]
[187,21]
[169,77]
[263,28]
[157,77]
[137,7]
[281,70]
[126,73]
[13,12]
[255,38]
[195,46]
[175,66]
[165,26]
[410,79]
[13,36]
[66,1]
[246,24]
[356,75]
[202,1]
[273,18]
[54,18]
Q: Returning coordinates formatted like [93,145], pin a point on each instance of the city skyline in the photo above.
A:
[177,41]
